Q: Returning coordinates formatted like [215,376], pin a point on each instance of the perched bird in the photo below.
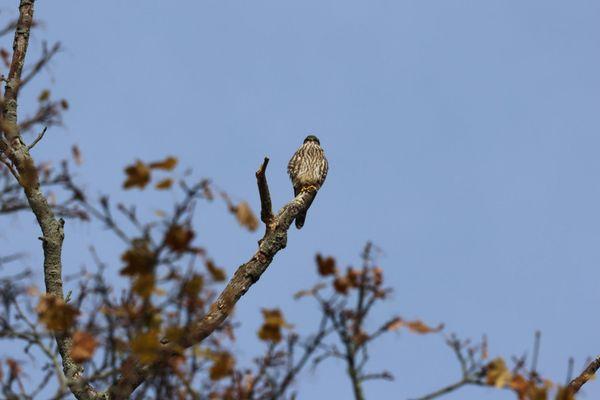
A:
[308,170]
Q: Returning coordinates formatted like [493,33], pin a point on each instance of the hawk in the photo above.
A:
[308,170]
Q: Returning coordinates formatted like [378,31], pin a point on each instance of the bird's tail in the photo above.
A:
[302,216]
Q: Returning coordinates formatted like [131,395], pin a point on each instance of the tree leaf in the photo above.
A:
[55,313]
[178,237]
[139,259]
[167,164]
[146,346]
[497,374]
[218,274]
[222,367]
[245,216]
[325,265]
[164,184]
[418,326]
[84,345]
[138,175]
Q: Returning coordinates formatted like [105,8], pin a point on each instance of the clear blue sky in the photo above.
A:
[462,137]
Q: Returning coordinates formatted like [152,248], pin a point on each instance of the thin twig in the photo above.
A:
[38,138]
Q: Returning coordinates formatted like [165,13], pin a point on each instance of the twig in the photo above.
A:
[445,390]
[38,138]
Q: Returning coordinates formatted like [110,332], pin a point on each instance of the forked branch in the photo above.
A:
[247,274]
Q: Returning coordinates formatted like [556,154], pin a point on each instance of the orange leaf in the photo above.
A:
[178,237]
[341,284]
[164,184]
[138,175]
[167,164]
[394,324]
[55,313]
[377,276]
[83,347]
[420,327]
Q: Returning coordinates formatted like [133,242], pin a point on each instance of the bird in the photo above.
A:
[308,169]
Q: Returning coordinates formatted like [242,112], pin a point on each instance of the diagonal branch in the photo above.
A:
[585,376]
[274,240]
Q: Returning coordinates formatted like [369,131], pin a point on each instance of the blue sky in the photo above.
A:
[462,138]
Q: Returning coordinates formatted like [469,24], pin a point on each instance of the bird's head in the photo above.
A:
[312,138]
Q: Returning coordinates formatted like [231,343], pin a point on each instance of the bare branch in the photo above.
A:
[44,59]
[51,227]
[274,240]
[587,374]
[445,390]
[37,139]
[266,212]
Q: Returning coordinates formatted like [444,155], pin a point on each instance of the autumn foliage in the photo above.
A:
[140,325]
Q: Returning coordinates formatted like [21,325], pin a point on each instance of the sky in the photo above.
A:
[462,138]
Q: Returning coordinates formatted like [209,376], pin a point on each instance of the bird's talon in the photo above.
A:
[309,188]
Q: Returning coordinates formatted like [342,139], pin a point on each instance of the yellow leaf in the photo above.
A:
[44,95]
[218,274]
[497,373]
[193,285]
[146,346]
[271,328]
[167,164]
[270,333]
[222,366]
[144,285]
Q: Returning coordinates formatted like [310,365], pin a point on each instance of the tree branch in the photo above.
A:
[51,227]
[266,212]
[446,390]
[576,384]
[274,240]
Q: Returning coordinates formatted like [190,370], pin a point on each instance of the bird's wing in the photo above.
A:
[293,166]
[324,169]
